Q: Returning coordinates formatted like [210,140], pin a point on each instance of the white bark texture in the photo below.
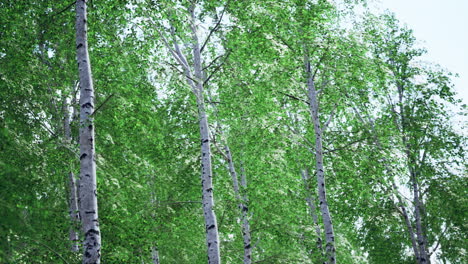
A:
[211,225]
[73,198]
[423,254]
[155,255]
[74,215]
[400,204]
[312,209]
[196,82]
[411,163]
[88,186]
[326,217]
[242,200]
[409,227]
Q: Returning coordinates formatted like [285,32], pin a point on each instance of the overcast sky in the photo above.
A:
[442,27]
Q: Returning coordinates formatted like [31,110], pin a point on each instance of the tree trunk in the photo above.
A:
[423,254]
[242,200]
[409,226]
[73,199]
[312,209]
[326,217]
[88,186]
[196,82]
[401,205]
[74,215]
[211,225]
[155,255]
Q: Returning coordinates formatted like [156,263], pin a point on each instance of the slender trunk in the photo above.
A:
[240,195]
[74,215]
[424,227]
[155,255]
[245,223]
[196,82]
[88,186]
[326,217]
[211,225]
[423,255]
[312,209]
[153,201]
[409,226]
[73,199]
[404,213]
[242,200]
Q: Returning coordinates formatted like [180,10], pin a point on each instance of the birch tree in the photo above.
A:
[383,118]
[73,194]
[196,79]
[88,186]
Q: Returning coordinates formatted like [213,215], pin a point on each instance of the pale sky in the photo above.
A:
[441,26]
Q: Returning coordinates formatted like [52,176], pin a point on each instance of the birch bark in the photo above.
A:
[73,198]
[312,208]
[423,254]
[401,205]
[245,223]
[197,82]
[211,225]
[242,205]
[326,217]
[155,255]
[240,195]
[88,188]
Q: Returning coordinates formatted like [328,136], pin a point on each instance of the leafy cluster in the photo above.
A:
[387,117]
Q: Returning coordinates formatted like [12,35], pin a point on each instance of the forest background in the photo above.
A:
[226,131]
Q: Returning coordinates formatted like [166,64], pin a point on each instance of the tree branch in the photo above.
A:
[438,242]
[174,54]
[294,97]
[218,67]
[103,103]
[213,61]
[345,146]
[215,28]
[330,118]
[181,72]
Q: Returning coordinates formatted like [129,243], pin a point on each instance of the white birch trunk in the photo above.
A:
[423,254]
[155,255]
[73,198]
[326,217]
[211,225]
[403,210]
[88,186]
[196,82]
[74,215]
[245,223]
[242,200]
[312,209]
[409,226]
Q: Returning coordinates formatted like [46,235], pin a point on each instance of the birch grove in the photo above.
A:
[228,132]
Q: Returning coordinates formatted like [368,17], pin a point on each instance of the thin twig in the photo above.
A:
[214,28]
[294,97]
[218,67]
[49,248]
[103,103]
[330,118]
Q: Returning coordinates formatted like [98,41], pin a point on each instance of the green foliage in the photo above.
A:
[147,139]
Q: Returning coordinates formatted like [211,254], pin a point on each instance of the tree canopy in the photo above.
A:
[287,131]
